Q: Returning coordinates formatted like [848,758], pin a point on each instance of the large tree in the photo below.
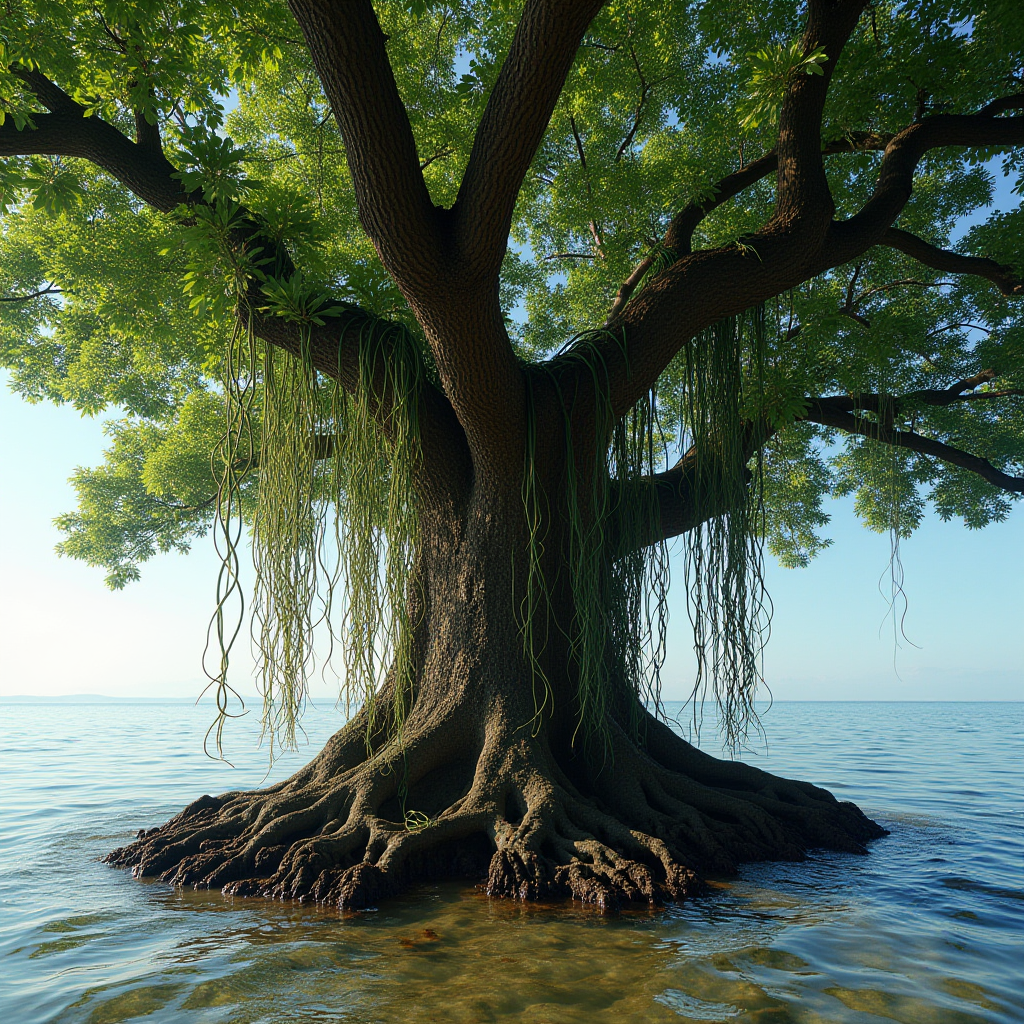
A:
[464,310]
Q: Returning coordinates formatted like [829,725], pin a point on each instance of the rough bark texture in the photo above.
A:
[508,797]
[501,792]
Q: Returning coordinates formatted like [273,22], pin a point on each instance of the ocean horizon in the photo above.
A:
[925,928]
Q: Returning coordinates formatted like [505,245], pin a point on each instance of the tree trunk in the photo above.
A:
[481,786]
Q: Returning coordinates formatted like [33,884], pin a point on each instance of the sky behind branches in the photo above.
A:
[63,632]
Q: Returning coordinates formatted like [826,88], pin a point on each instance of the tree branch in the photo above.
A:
[703,287]
[48,290]
[678,491]
[892,405]
[348,50]
[595,232]
[830,412]
[445,472]
[687,494]
[848,239]
[803,202]
[571,256]
[450,282]
[439,155]
[965,325]
[1002,104]
[1002,276]
[66,131]
[150,176]
[678,502]
[645,90]
[679,234]
[901,283]
[515,119]
[50,95]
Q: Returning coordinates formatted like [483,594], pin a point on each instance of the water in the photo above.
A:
[928,928]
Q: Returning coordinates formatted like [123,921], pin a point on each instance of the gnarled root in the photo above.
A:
[643,828]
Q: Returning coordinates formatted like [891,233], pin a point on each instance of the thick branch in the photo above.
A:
[348,50]
[517,114]
[803,202]
[679,234]
[893,405]
[67,132]
[691,493]
[848,239]
[703,287]
[681,493]
[1002,104]
[50,95]
[831,413]
[454,297]
[1002,276]
[150,176]
[445,472]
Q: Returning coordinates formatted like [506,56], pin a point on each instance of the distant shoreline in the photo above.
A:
[90,698]
[98,698]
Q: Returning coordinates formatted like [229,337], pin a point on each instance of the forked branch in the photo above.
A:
[705,286]
[893,405]
[679,235]
[152,177]
[679,491]
[830,412]
[848,239]
[66,131]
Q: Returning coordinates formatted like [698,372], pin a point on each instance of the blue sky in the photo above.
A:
[62,632]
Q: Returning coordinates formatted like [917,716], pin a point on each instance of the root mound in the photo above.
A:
[645,827]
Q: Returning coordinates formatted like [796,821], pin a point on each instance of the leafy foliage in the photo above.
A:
[772,69]
[121,311]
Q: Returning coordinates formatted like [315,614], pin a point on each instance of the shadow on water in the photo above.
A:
[925,929]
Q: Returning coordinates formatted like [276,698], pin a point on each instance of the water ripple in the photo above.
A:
[927,928]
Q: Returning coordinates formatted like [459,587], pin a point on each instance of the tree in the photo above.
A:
[498,299]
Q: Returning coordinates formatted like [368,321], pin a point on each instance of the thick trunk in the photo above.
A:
[480,786]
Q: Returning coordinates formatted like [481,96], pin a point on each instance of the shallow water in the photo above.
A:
[928,928]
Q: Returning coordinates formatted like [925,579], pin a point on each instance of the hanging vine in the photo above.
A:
[619,600]
[231,461]
[334,523]
[726,598]
[376,521]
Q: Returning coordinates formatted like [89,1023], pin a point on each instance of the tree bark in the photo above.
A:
[500,794]
[487,778]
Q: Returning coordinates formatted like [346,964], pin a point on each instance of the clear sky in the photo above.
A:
[62,632]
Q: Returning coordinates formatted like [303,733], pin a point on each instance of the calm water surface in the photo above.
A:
[928,928]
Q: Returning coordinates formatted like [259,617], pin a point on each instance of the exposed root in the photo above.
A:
[644,830]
